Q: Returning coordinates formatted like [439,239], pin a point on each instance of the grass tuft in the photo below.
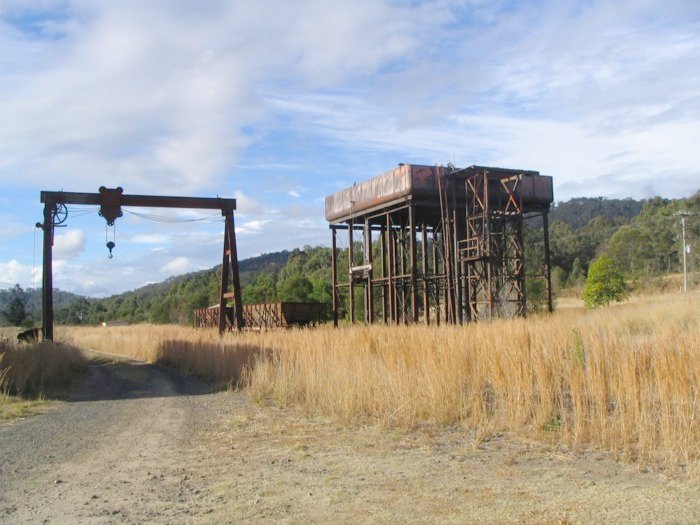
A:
[30,374]
[35,369]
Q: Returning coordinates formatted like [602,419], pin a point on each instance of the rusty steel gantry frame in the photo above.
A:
[449,243]
[111,201]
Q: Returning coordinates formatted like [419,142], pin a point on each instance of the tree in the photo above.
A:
[77,311]
[261,290]
[577,275]
[630,247]
[295,289]
[16,312]
[558,278]
[536,293]
[605,283]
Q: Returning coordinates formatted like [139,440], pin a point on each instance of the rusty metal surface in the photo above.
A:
[404,181]
[472,258]
[421,182]
[302,313]
[264,315]
[536,189]
[145,201]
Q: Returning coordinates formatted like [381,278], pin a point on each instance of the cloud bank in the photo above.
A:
[279,103]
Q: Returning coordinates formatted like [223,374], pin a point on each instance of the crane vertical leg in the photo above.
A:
[47,275]
[230,277]
[235,276]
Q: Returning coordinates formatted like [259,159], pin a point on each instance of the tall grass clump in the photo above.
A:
[202,353]
[625,378]
[36,369]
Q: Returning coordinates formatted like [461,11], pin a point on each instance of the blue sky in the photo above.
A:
[280,103]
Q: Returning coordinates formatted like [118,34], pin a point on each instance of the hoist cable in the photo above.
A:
[167,219]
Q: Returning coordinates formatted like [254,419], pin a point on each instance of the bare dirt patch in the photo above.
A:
[138,443]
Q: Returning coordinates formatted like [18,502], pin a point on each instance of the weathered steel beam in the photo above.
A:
[351,293]
[334,275]
[230,232]
[413,262]
[369,298]
[144,201]
[47,275]
[424,257]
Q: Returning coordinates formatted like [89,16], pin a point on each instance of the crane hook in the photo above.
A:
[110,247]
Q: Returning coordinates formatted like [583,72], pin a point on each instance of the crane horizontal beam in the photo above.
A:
[145,201]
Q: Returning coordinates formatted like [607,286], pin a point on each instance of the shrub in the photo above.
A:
[604,284]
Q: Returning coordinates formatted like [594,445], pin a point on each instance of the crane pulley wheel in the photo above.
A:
[59,214]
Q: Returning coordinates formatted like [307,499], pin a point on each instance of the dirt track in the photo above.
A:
[138,443]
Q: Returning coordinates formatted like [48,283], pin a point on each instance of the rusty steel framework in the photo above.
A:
[437,244]
[111,201]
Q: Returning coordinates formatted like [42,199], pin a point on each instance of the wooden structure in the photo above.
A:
[111,201]
[437,243]
[264,315]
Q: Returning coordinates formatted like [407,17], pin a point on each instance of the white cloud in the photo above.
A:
[175,98]
[254,226]
[156,95]
[246,205]
[148,238]
[68,245]
[636,162]
[10,228]
[13,272]
[177,266]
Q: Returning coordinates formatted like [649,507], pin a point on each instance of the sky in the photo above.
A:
[279,103]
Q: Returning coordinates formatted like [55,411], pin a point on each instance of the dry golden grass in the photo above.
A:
[200,352]
[625,378]
[35,368]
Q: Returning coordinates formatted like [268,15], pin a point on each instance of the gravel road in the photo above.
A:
[118,450]
[142,444]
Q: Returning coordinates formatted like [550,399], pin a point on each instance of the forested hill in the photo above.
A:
[31,298]
[643,237]
[579,211]
[167,301]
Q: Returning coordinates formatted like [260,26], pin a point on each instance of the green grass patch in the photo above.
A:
[13,407]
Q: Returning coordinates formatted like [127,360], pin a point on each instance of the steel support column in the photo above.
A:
[382,238]
[426,271]
[369,301]
[351,284]
[334,274]
[47,274]
[390,273]
[413,261]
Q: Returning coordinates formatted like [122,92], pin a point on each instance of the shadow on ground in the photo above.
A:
[115,379]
